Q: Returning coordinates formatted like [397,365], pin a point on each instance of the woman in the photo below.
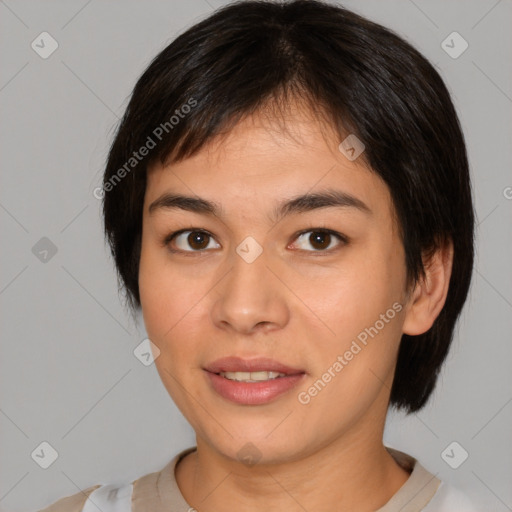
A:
[287,200]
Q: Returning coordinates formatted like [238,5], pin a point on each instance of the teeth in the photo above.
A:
[251,376]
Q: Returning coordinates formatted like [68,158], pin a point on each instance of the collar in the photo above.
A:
[159,491]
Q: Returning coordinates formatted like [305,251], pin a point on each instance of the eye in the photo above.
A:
[197,240]
[321,240]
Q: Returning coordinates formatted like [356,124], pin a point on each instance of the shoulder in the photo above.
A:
[153,491]
[72,503]
[448,498]
[424,491]
[104,497]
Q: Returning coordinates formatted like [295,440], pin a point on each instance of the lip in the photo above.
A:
[237,364]
[253,393]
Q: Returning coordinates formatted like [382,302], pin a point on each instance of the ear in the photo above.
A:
[429,295]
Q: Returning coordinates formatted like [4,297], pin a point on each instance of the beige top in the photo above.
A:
[159,492]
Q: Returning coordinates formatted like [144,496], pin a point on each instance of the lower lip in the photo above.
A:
[253,393]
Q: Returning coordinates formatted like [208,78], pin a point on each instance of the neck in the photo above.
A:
[350,473]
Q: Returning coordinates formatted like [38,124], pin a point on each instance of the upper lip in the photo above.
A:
[237,364]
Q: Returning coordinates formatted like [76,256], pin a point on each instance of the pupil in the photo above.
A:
[317,240]
[197,240]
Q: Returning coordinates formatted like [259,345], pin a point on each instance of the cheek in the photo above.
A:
[166,295]
[362,307]
[165,305]
[366,286]
[171,302]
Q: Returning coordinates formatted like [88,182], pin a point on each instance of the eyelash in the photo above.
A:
[341,238]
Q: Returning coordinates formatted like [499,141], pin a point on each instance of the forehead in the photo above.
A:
[263,160]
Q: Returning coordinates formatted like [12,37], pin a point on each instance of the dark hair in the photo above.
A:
[359,76]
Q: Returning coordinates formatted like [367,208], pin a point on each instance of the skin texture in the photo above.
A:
[295,304]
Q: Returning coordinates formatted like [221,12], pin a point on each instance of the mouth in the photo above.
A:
[252,381]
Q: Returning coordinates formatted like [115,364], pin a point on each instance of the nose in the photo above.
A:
[250,298]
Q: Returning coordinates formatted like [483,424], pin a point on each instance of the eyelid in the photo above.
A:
[343,239]
[171,236]
[328,231]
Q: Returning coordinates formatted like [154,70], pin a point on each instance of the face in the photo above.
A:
[319,288]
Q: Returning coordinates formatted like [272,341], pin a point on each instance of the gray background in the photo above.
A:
[68,373]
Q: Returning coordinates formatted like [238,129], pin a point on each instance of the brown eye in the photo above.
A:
[198,240]
[320,240]
[195,241]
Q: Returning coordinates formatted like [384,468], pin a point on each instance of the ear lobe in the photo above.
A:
[429,295]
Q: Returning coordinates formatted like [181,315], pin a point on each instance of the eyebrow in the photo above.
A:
[330,198]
